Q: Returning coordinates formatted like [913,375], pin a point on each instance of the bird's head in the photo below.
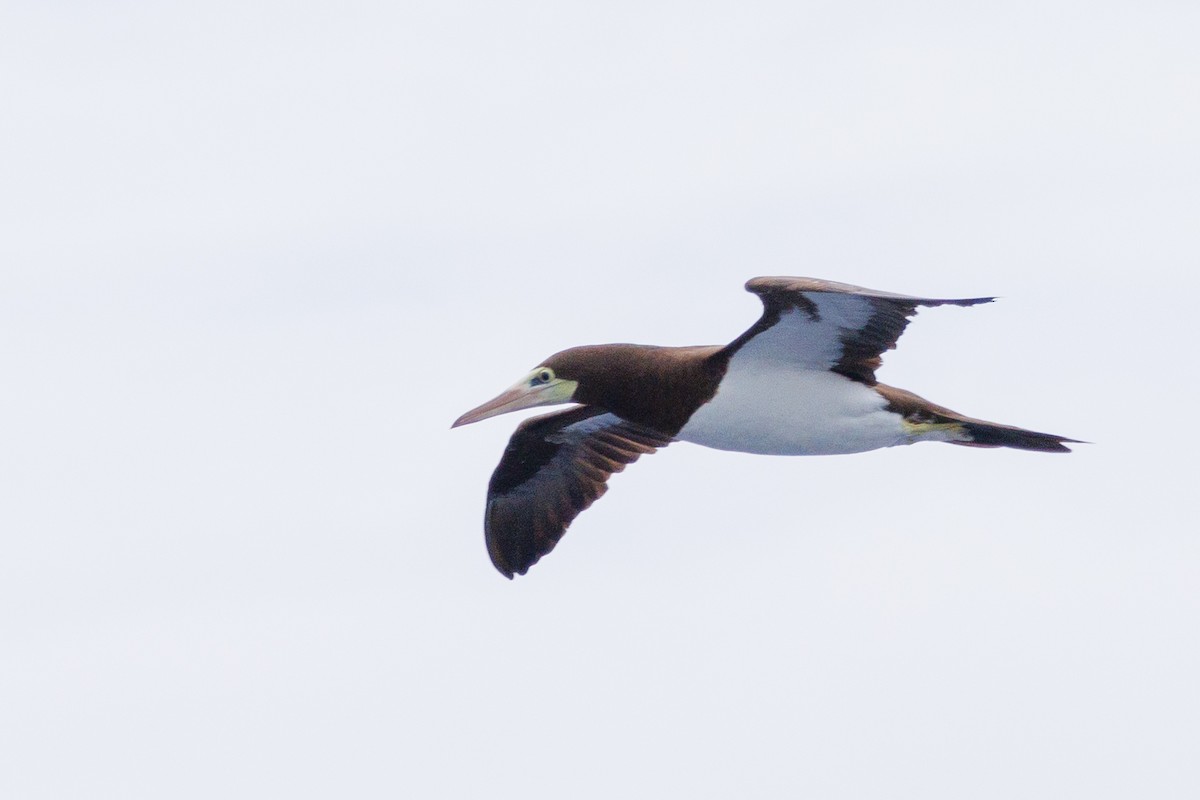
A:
[544,386]
[615,376]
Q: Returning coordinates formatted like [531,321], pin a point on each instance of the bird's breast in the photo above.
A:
[789,410]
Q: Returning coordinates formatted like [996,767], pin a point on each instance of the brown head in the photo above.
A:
[656,386]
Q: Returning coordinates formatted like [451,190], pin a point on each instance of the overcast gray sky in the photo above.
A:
[256,257]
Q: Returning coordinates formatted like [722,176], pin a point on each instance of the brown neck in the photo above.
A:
[659,387]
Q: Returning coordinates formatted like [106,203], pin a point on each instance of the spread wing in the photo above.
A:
[825,325]
[554,467]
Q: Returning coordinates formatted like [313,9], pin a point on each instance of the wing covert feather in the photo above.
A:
[826,325]
[554,467]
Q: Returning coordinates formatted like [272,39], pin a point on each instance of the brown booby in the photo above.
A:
[800,381]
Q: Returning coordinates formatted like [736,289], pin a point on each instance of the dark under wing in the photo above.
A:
[554,467]
[825,325]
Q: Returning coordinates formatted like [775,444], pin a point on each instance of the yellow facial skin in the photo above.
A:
[539,388]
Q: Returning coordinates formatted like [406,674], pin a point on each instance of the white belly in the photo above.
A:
[791,411]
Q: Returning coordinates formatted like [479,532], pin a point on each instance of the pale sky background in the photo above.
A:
[256,257]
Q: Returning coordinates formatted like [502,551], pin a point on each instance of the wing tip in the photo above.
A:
[500,562]
[766,284]
[968,301]
[511,572]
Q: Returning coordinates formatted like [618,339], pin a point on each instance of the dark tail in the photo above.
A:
[987,434]
[929,420]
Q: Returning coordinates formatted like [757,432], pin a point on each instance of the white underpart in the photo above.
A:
[800,340]
[793,412]
[778,397]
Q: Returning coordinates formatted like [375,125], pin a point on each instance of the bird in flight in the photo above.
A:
[800,381]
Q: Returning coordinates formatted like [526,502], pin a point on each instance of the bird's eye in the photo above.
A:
[543,376]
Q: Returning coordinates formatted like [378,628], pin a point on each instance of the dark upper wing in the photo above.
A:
[826,325]
[555,466]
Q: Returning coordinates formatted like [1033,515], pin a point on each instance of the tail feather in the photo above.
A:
[930,421]
[987,434]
